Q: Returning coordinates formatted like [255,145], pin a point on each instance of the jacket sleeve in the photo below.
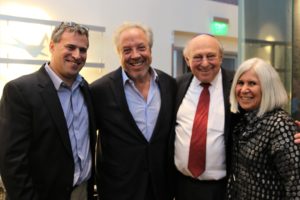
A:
[286,154]
[15,139]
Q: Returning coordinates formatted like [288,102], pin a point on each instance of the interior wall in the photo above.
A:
[164,17]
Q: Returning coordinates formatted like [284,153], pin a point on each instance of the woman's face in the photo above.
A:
[248,91]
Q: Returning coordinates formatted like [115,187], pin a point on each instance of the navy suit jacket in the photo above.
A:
[36,159]
[126,161]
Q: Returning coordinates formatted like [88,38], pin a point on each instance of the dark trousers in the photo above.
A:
[188,188]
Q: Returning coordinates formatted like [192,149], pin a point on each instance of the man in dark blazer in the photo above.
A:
[203,55]
[46,136]
[134,111]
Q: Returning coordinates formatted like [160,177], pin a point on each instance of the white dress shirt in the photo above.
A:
[215,166]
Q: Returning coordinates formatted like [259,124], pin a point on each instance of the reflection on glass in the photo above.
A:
[268,35]
[24,48]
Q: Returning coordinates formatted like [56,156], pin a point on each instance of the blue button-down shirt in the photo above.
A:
[77,118]
[144,112]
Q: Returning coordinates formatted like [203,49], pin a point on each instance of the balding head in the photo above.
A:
[202,39]
[203,54]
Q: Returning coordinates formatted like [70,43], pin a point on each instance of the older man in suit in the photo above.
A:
[133,107]
[204,55]
[46,125]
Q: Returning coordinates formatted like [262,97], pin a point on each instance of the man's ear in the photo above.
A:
[221,58]
[51,46]
[187,61]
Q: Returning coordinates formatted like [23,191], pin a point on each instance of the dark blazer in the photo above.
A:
[128,162]
[183,84]
[36,160]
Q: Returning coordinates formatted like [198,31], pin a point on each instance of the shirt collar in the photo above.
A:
[126,79]
[213,83]
[57,81]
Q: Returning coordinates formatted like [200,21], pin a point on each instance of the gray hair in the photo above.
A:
[273,92]
[129,25]
[69,27]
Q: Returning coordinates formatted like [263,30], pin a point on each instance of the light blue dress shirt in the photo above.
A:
[77,118]
[144,112]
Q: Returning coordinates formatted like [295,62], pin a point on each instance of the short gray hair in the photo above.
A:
[129,25]
[69,27]
[273,92]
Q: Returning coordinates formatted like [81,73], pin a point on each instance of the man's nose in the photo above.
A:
[76,53]
[135,53]
[205,61]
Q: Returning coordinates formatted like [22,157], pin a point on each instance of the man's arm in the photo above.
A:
[15,134]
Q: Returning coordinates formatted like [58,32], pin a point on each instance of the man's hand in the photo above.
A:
[297,135]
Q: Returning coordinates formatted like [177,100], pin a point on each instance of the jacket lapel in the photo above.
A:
[117,89]
[51,100]
[227,81]
[183,86]
[163,95]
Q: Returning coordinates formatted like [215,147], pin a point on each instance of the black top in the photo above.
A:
[266,161]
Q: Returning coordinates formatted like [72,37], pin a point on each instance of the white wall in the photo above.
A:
[163,16]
